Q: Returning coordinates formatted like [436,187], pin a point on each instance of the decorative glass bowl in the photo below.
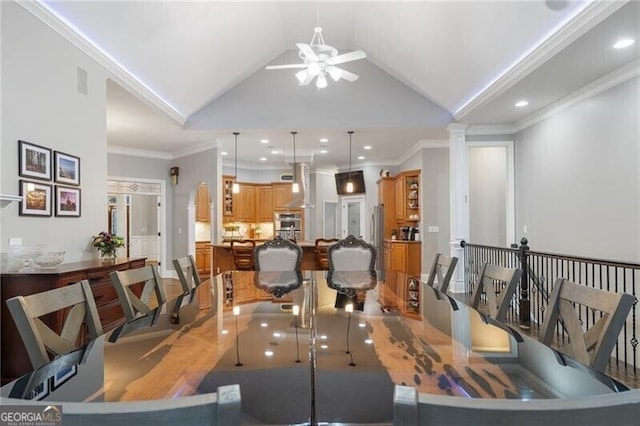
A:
[50,259]
[26,253]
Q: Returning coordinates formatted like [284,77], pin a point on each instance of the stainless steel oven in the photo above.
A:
[285,222]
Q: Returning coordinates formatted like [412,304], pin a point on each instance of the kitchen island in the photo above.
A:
[222,257]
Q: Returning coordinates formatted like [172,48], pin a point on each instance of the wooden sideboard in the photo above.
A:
[14,359]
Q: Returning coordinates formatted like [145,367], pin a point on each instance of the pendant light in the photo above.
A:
[295,187]
[349,187]
[236,185]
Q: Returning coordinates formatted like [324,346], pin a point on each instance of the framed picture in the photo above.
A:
[66,168]
[35,161]
[67,201]
[36,199]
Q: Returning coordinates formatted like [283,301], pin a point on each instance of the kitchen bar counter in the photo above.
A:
[302,243]
[222,257]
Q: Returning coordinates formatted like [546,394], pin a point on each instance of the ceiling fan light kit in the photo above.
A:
[320,59]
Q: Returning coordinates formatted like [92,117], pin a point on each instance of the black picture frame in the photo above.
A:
[34,161]
[68,201]
[36,199]
[66,168]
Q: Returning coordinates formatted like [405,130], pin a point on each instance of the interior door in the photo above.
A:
[353,216]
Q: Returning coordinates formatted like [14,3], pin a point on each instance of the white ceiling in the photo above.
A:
[473,59]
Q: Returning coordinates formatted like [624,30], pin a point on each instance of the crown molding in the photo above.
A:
[594,88]
[245,165]
[134,152]
[66,30]
[419,146]
[587,18]
[490,129]
[196,148]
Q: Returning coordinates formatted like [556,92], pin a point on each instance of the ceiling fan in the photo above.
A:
[319,60]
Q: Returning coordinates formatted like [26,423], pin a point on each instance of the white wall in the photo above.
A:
[41,104]
[255,174]
[578,178]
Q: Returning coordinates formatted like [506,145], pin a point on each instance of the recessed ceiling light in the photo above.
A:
[268,353]
[323,337]
[263,158]
[367,147]
[625,42]
[263,324]
[361,157]
[224,153]
[225,331]
[276,334]
[323,151]
[362,325]
[324,140]
[521,104]
[323,346]
[275,151]
[368,341]
[264,140]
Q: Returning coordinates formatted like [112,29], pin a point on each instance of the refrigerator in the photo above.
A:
[377,238]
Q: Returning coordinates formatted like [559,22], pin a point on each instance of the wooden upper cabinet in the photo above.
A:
[203,202]
[264,203]
[386,197]
[228,212]
[245,203]
[407,197]
[399,195]
[282,196]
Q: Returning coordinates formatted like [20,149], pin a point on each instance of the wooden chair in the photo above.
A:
[38,338]
[442,269]
[187,273]
[243,254]
[132,305]
[351,254]
[278,255]
[322,245]
[219,408]
[411,408]
[498,284]
[591,347]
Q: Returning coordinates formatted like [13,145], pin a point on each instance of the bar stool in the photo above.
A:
[243,254]
[322,247]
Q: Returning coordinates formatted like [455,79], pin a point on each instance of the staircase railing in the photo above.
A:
[540,271]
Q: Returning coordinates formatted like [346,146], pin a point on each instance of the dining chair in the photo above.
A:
[321,247]
[216,408]
[278,255]
[498,285]
[351,254]
[132,305]
[591,347]
[38,338]
[187,273]
[243,254]
[441,272]
[412,408]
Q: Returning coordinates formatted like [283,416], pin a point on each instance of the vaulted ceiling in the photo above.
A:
[189,73]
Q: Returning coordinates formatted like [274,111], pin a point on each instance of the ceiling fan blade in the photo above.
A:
[349,76]
[282,67]
[346,57]
[308,52]
[304,80]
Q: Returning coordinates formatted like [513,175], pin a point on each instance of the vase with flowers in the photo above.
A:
[107,244]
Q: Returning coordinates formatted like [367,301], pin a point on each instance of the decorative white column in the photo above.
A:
[458,200]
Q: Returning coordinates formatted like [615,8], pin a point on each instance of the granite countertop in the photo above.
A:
[303,243]
[402,241]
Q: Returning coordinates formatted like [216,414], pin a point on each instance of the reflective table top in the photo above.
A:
[310,342]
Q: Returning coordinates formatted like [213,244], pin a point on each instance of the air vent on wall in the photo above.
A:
[286,177]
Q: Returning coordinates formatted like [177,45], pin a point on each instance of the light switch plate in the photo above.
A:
[15,241]
[433,229]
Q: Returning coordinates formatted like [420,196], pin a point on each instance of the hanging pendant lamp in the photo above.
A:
[295,187]
[349,187]
[236,185]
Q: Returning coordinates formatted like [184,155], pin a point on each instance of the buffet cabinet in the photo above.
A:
[15,361]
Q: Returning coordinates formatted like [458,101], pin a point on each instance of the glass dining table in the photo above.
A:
[310,347]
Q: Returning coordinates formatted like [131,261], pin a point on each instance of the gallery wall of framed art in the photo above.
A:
[51,184]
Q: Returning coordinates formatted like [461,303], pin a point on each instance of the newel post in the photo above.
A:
[525,303]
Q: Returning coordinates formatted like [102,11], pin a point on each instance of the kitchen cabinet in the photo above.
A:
[245,203]
[407,196]
[203,202]
[203,256]
[264,203]
[228,212]
[402,276]
[386,198]
[282,195]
